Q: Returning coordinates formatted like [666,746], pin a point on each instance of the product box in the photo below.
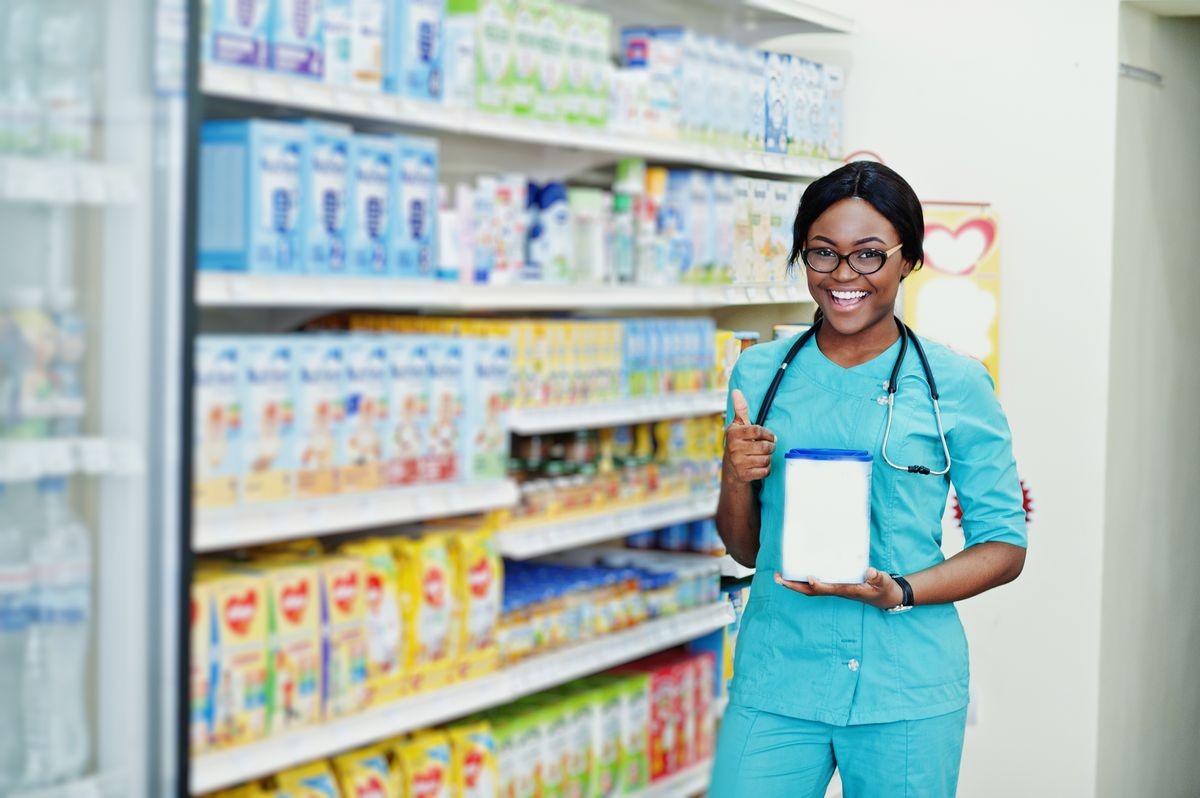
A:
[238,32]
[250,196]
[310,781]
[576,65]
[634,690]
[755,77]
[441,462]
[597,31]
[459,34]
[414,224]
[293,594]
[544,711]
[368,43]
[202,666]
[488,393]
[296,40]
[798,126]
[778,68]
[386,635]
[218,381]
[835,87]
[337,30]
[815,81]
[405,444]
[658,52]
[414,49]
[427,577]
[269,461]
[374,166]
[492,25]
[365,773]
[320,412]
[326,192]
[426,769]
[239,689]
[581,717]
[551,60]
[782,205]
[608,714]
[721,225]
[527,53]
[367,413]
[473,761]
[344,624]
[760,230]
[479,579]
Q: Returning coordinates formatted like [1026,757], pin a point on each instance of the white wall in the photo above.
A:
[1150,642]
[1014,103]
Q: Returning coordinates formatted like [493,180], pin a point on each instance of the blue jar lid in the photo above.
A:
[854,455]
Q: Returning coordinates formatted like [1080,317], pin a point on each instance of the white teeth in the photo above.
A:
[848,294]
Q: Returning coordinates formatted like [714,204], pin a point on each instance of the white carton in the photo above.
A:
[367,413]
[238,32]
[338,32]
[488,392]
[217,430]
[414,49]
[373,163]
[320,412]
[414,224]
[269,448]
[297,40]
[408,382]
[326,191]
[835,86]
[778,68]
[443,445]
[368,44]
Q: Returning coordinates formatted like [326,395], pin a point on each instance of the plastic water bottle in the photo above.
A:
[58,742]
[16,584]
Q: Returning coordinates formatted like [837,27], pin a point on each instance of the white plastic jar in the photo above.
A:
[826,515]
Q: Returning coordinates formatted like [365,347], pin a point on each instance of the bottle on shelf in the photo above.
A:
[16,588]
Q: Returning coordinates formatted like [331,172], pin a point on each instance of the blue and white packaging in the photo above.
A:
[835,86]
[320,412]
[250,196]
[373,176]
[414,43]
[815,82]
[777,82]
[326,188]
[368,43]
[488,393]
[269,460]
[721,224]
[676,224]
[337,30]
[238,32]
[367,421]
[217,385]
[414,222]
[549,259]
[754,73]
[297,39]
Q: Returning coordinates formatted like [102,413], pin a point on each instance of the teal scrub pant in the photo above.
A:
[763,755]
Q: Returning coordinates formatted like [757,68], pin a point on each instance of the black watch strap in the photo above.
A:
[907,601]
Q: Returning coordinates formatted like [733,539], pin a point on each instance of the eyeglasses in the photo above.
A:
[863,261]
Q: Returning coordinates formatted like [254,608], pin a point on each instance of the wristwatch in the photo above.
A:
[906,603]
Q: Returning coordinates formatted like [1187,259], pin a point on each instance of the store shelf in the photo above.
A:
[686,783]
[733,569]
[541,420]
[240,290]
[235,527]
[113,785]
[262,87]
[523,542]
[62,182]
[23,460]
[227,768]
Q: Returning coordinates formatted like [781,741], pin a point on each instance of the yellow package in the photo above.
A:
[425,767]
[366,773]
[310,781]
[428,597]
[480,582]
[386,637]
[294,641]
[727,350]
[239,685]
[201,666]
[344,621]
[473,761]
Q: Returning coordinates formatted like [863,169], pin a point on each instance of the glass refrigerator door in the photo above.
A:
[90,146]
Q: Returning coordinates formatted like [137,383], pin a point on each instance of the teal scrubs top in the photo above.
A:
[836,660]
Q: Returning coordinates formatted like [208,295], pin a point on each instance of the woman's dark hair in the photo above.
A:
[888,193]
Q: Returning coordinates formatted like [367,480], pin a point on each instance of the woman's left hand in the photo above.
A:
[880,590]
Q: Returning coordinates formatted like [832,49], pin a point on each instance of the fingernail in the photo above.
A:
[778,579]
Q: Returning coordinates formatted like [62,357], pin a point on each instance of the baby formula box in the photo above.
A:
[237,32]
[217,434]
[826,515]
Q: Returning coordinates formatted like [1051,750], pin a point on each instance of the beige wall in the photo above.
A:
[1149,734]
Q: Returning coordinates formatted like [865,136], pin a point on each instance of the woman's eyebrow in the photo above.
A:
[868,238]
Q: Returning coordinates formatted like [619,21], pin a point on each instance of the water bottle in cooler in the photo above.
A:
[16,589]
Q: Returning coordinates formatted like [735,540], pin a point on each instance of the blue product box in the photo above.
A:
[413,49]
[297,39]
[238,32]
[676,537]
[326,188]
[414,223]
[373,177]
[250,196]
[778,69]
[642,540]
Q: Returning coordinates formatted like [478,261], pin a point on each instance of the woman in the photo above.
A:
[841,675]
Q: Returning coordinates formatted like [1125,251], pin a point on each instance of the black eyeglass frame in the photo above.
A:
[886,253]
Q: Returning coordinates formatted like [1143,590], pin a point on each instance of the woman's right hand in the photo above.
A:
[748,447]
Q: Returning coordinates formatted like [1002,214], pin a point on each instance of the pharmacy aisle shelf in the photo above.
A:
[252,525]
[542,420]
[109,785]
[734,569]
[261,87]
[686,783]
[532,540]
[52,182]
[220,769]
[22,460]
[219,290]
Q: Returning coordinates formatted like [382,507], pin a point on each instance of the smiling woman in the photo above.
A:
[868,677]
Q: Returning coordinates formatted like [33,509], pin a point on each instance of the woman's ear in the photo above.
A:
[906,268]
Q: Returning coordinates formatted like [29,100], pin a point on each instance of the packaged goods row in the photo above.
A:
[722,643]
[700,537]
[543,60]
[41,370]
[609,735]
[291,635]
[317,198]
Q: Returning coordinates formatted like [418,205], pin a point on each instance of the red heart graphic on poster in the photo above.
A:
[479,578]
[295,601]
[345,591]
[958,251]
[473,767]
[428,783]
[239,611]
[435,587]
[372,788]
[374,591]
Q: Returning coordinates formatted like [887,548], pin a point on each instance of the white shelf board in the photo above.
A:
[24,460]
[539,420]
[63,182]
[249,525]
[265,87]
[533,541]
[220,769]
[732,568]
[108,785]
[215,289]
[686,783]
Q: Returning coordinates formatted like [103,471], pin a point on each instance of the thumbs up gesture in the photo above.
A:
[748,447]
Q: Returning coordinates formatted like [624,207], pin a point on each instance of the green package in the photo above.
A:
[494,50]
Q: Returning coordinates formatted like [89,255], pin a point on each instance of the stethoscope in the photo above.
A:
[906,334]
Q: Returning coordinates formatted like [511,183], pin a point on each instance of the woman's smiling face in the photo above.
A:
[853,302]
